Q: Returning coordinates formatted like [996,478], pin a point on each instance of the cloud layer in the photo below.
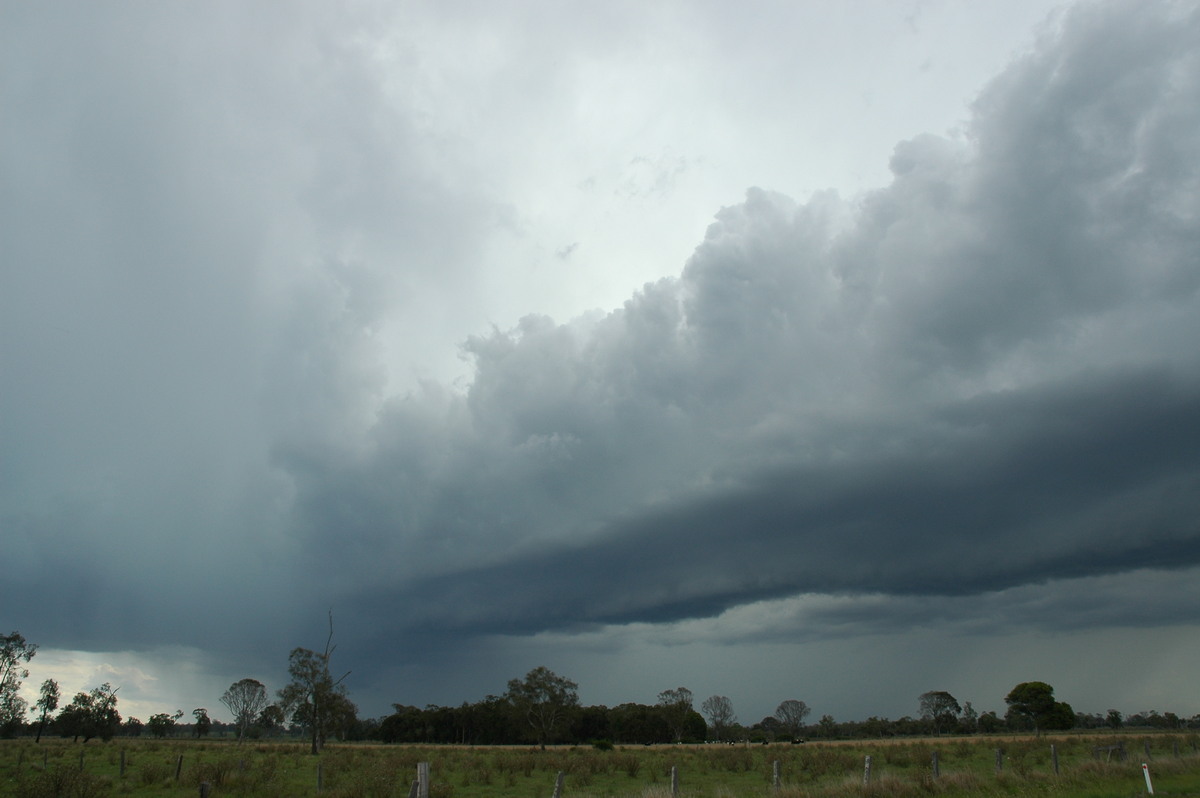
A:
[976,384]
[973,379]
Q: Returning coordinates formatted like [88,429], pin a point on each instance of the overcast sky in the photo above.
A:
[829,351]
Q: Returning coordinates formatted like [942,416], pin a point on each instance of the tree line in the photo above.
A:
[542,708]
[313,702]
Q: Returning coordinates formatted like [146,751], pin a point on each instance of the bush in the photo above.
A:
[215,773]
[61,782]
[152,773]
[630,763]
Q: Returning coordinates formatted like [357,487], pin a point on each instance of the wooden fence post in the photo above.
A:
[80,760]
[867,770]
[936,770]
[558,784]
[178,767]
[674,780]
[320,776]
[999,759]
[775,775]
[422,780]
[1054,757]
[205,788]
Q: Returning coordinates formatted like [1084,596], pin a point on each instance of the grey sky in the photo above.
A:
[836,353]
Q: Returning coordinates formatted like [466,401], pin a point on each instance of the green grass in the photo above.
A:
[967,767]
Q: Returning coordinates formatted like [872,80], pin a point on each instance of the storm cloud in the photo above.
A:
[943,403]
[973,379]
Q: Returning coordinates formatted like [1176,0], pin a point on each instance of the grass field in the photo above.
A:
[967,767]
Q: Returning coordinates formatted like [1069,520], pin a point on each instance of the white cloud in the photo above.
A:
[147,682]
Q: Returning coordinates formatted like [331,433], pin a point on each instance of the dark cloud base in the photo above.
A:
[1090,477]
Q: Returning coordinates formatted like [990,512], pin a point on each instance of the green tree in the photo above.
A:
[940,708]
[970,718]
[1033,704]
[590,724]
[990,722]
[828,726]
[313,694]
[721,718]
[1061,718]
[105,720]
[791,714]
[47,702]
[270,719]
[544,698]
[769,729]
[695,729]
[245,698]
[341,716]
[91,714]
[676,707]
[162,724]
[638,723]
[1114,719]
[203,722]
[15,653]
[875,726]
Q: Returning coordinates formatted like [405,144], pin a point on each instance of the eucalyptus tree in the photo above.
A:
[314,699]
[245,698]
[940,708]
[676,708]
[92,714]
[15,653]
[791,714]
[162,724]
[544,698]
[47,702]
[203,723]
[719,710]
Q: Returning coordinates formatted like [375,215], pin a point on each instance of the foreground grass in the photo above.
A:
[967,767]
